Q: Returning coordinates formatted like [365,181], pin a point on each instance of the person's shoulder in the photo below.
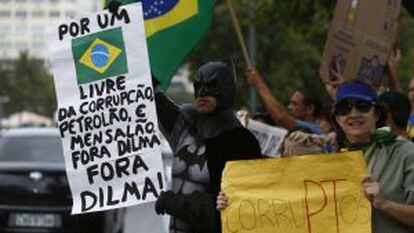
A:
[403,147]
[238,133]
[404,142]
[309,127]
[405,151]
[238,136]
[241,141]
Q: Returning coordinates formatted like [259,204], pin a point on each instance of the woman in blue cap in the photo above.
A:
[389,184]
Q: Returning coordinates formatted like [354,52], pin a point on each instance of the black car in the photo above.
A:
[34,191]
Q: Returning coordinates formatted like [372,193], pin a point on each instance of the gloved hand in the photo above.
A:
[113,6]
[160,205]
[196,209]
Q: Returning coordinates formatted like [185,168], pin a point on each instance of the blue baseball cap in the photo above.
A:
[357,90]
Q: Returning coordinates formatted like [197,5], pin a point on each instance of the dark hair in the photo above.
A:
[398,106]
[310,98]
[382,112]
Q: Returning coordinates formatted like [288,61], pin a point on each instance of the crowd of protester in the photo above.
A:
[378,123]
[206,135]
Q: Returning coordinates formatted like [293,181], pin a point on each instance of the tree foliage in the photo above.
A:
[290,39]
[28,86]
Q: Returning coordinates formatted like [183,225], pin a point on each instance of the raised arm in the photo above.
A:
[167,111]
[335,81]
[276,110]
[393,64]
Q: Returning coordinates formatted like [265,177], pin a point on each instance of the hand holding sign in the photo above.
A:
[253,76]
[113,6]
[335,81]
[373,192]
[222,201]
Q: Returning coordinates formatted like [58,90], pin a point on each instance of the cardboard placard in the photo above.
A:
[361,37]
[316,193]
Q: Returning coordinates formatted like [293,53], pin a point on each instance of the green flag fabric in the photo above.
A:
[173,28]
[99,55]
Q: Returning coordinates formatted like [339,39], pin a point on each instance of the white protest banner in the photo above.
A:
[270,138]
[106,110]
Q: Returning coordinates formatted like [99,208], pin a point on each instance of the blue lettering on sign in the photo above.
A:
[156,8]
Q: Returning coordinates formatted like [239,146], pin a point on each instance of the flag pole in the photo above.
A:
[254,103]
[240,37]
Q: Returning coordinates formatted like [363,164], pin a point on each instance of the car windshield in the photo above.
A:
[31,149]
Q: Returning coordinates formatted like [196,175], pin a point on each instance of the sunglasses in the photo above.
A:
[344,108]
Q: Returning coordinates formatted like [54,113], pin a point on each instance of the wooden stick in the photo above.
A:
[236,25]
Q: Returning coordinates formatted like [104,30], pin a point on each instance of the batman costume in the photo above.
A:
[202,144]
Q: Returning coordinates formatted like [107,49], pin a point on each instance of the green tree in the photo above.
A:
[28,86]
[290,40]
[291,37]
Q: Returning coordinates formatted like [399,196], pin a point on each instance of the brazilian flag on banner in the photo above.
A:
[174,28]
[100,55]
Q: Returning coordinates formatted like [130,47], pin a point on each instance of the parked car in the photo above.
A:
[34,190]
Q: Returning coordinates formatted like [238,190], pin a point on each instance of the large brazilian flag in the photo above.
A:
[174,28]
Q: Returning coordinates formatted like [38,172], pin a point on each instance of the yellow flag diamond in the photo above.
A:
[100,55]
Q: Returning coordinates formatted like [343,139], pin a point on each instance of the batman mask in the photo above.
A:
[217,80]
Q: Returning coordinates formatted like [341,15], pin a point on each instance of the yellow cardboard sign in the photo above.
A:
[306,194]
